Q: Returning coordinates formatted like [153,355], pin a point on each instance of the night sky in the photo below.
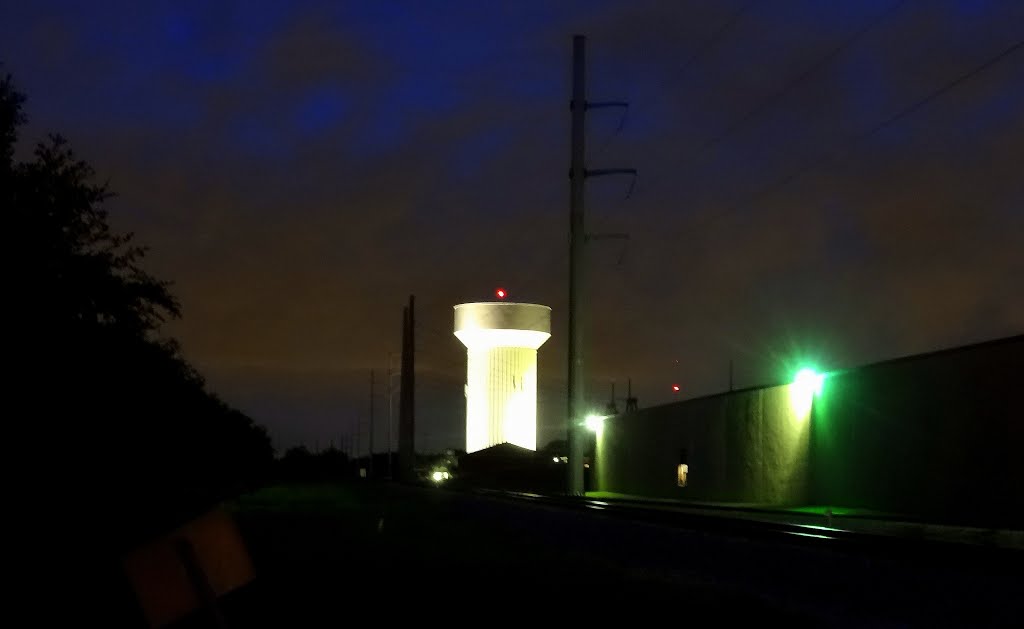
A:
[300,168]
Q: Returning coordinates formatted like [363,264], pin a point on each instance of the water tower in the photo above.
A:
[501,340]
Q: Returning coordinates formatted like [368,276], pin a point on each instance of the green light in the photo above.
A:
[594,423]
[807,385]
[809,381]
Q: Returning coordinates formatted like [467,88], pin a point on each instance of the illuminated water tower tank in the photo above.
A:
[501,340]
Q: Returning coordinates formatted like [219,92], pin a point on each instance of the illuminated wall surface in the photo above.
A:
[937,435]
[748,446]
[501,342]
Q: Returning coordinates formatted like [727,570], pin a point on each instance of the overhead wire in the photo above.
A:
[811,70]
[904,113]
[829,157]
[710,42]
[814,68]
[714,39]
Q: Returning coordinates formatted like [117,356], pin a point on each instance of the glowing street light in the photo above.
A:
[807,385]
[594,423]
[809,381]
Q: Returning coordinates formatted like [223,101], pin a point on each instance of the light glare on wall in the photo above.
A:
[809,380]
[594,423]
[807,384]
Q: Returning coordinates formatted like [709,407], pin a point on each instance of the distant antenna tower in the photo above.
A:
[612,408]
[631,402]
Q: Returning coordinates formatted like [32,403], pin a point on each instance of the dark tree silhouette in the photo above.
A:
[10,118]
[110,412]
[302,466]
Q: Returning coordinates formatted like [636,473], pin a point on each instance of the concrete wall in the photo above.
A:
[937,436]
[748,447]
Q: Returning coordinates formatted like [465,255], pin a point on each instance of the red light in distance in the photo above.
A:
[675,388]
[501,294]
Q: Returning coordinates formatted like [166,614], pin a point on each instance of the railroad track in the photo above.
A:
[747,524]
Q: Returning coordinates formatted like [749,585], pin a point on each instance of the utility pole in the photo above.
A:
[632,404]
[578,107]
[577,260]
[371,424]
[612,408]
[407,396]
[391,406]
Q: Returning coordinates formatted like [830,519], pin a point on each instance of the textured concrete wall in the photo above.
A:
[747,446]
[937,436]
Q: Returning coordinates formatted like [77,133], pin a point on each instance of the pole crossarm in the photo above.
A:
[609,236]
[600,172]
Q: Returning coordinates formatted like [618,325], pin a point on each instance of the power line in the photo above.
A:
[717,36]
[830,158]
[795,82]
[942,90]
[811,70]
[710,42]
[894,119]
